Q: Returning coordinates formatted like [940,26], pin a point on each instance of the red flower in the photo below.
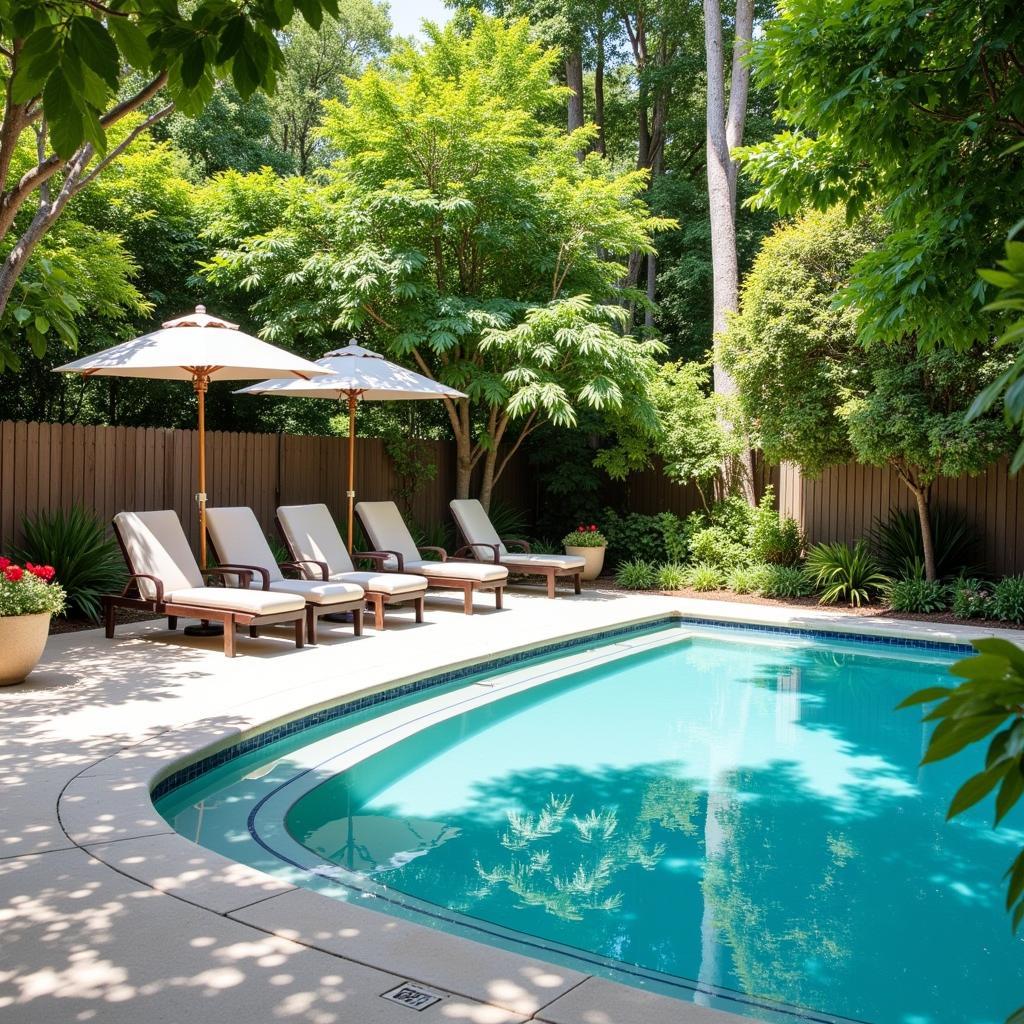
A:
[4,562]
[44,572]
[593,528]
[14,573]
[581,528]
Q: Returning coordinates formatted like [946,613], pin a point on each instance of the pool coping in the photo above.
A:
[120,787]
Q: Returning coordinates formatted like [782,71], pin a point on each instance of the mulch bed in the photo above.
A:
[868,611]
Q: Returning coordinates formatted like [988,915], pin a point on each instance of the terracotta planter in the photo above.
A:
[22,639]
[592,557]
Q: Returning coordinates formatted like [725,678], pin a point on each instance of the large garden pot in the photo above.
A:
[593,559]
[22,639]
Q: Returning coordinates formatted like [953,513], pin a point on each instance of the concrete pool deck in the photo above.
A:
[106,915]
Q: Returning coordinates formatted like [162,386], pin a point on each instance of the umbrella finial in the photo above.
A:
[200,308]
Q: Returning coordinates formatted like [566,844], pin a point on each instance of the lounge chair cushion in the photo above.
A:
[155,544]
[387,529]
[480,572]
[239,540]
[311,534]
[523,561]
[317,592]
[253,602]
[475,525]
[390,583]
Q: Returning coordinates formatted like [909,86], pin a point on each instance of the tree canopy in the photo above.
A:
[812,395]
[459,231]
[912,108]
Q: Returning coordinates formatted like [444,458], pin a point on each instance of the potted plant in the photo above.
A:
[589,543]
[28,598]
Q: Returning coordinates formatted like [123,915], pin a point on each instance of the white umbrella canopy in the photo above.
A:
[199,348]
[351,373]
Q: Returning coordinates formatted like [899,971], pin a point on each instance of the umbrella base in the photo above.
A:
[207,629]
[337,617]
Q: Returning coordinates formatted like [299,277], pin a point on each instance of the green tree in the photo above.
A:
[692,439]
[911,107]
[459,232]
[812,395]
[83,79]
[316,63]
[228,133]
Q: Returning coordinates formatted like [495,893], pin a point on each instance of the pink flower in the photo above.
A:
[593,528]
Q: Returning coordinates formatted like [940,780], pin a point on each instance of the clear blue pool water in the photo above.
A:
[732,814]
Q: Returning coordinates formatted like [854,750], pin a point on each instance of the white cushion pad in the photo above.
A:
[311,534]
[516,559]
[480,572]
[318,592]
[254,602]
[390,583]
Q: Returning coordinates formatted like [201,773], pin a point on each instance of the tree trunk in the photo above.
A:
[488,478]
[599,143]
[574,80]
[922,497]
[723,134]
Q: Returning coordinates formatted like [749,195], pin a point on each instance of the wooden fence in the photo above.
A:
[108,469]
[844,502]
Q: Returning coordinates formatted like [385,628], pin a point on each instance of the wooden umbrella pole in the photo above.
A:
[351,493]
[201,382]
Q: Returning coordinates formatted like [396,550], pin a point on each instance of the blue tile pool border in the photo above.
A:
[194,770]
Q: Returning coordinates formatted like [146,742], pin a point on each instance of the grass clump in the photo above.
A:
[703,576]
[1008,599]
[636,574]
[917,595]
[671,576]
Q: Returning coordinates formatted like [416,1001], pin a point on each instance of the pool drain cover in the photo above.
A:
[412,996]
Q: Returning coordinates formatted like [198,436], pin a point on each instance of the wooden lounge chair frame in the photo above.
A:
[551,573]
[158,606]
[467,586]
[374,598]
[314,611]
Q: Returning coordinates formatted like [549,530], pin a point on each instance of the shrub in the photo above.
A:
[88,563]
[918,595]
[898,543]
[703,576]
[676,533]
[585,537]
[545,546]
[672,576]
[972,599]
[784,581]
[636,574]
[639,537]
[508,520]
[745,579]
[735,516]
[29,590]
[1008,599]
[715,546]
[842,573]
[771,538]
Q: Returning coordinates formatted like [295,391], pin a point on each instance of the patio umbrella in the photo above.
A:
[198,348]
[354,372]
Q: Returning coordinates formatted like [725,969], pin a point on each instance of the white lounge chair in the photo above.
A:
[316,546]
[239,543]
[391,537]
[165,579]
[482,539]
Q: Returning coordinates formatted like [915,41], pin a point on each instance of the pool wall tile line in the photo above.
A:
[195,769]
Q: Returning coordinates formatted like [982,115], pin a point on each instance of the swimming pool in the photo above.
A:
[723,815]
